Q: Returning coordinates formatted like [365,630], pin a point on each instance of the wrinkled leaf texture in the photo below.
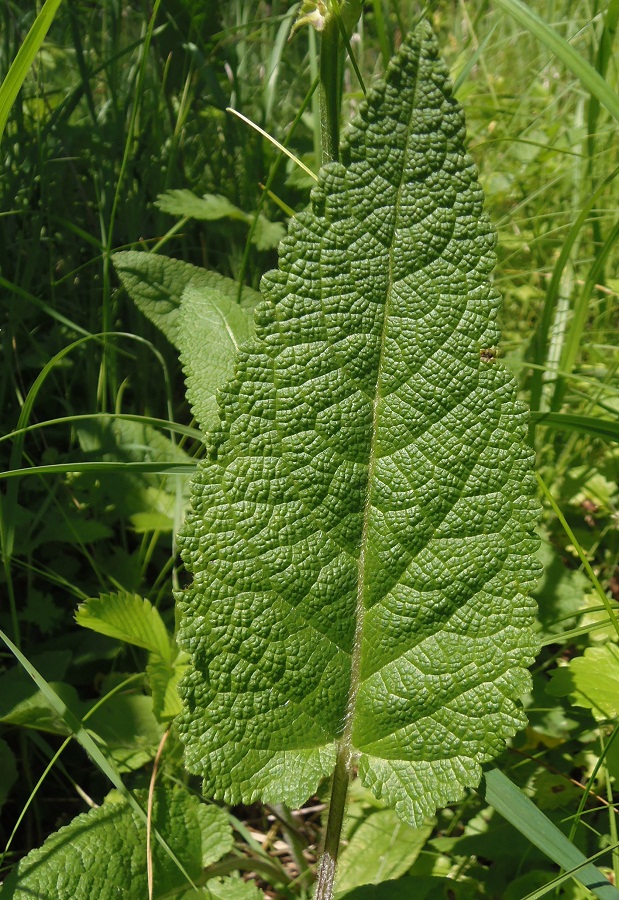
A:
[360,538]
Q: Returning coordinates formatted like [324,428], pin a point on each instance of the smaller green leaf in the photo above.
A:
[73,527]
[521,887]
[147,499]
[129,618]
[145,522]
[553,790]
[266,235]
[382,847]
[213,207]
[591,681]
[102,853]
[208,208]
[231,889]
[211,329]
[40,610]
[156,284]
[163,678]
[22,703]
[34,710]
[88,743]
[126,725]
[561,591]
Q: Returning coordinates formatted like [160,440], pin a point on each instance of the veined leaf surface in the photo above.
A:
[360,538]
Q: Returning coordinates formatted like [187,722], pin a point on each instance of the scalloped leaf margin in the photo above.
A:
[361,535]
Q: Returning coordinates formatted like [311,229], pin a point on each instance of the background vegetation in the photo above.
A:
[120,140]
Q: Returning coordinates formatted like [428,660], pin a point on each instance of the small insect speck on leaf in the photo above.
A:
[487,355]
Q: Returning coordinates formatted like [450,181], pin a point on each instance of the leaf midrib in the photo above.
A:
[345,743]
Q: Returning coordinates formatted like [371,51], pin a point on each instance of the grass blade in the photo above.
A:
[509,801]
[581,553]
[155,468]
[166,424]
[583,70]
[540,341]
[572,346]
[591,425]
[21,64]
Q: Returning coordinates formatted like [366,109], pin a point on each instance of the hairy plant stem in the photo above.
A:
[339,790]
[329,92]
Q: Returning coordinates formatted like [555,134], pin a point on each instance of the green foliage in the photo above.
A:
[366,505]
[592,681]
[118,110]
[19,69]
[133,619]
[381,848]
[126,618]
[102,853]
[199,313]
[213,207]
[156,284]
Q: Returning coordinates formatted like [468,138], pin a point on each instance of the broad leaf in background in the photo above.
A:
[383,847]
[125,727]
[163,679]
[230,889]
[152,501]
[156,285]
[133,619]
[591,681]
[560,593]
[211,329]
[102,853]
[22,703]
[123,724]
[422,888]
[126,617]
[212,207]
[361,535]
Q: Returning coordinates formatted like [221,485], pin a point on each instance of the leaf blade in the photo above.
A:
[126,617]
[368,498]
[211,329]
[70,863]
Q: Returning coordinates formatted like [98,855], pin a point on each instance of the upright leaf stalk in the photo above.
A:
[329,91]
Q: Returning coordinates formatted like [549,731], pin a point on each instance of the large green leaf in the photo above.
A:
[360,538]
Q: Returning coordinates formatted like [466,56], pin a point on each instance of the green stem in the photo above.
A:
[339,790]
[330,90]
